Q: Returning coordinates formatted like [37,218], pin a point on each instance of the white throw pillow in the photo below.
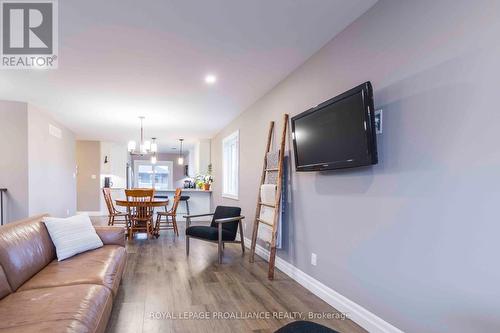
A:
[72,235]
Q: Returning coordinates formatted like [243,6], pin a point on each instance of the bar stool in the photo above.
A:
[185,198]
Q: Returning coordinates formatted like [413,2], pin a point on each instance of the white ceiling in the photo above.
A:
[119,59]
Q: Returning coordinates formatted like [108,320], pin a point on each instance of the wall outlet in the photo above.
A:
[314,259]
[93,177]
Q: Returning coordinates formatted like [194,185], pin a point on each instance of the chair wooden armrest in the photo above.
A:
[188,218]
[198,215]
[229,219]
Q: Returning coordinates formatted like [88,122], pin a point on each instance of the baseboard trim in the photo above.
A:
[361,316]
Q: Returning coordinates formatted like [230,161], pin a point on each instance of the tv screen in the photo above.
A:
[339,133]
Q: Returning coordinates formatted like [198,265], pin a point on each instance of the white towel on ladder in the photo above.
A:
[268,197]
[267,214]
[266,232]
[268,194]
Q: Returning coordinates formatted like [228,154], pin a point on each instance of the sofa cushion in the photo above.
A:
[72,235]
[79,308]
[25,248]
[103,266]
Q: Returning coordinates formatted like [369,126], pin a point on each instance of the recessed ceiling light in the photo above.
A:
[210,79]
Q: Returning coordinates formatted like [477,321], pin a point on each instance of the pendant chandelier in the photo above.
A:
[146,147]
[180,160]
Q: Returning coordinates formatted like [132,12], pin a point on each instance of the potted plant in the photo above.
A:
[199,181]
[207,182]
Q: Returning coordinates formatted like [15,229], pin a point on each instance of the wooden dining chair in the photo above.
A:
[139,212]
[114,215]
[168,214]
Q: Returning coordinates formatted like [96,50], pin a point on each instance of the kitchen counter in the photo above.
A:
[184,190]
[169,190]
[200,201]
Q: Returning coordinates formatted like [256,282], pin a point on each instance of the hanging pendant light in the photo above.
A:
[131,146]
[180,160]
[146,147]
[154,146]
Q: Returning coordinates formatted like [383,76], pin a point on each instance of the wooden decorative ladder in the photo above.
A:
[277,203]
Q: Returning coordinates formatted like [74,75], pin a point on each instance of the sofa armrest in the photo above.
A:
[111,235]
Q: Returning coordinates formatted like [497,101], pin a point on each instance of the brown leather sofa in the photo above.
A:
[40,294]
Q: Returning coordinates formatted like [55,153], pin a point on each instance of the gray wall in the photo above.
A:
[88,155]
[415,238]
[14,160]
[52,166]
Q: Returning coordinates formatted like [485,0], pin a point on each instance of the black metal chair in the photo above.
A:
[223,229]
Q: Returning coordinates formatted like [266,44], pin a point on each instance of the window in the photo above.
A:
[144,174]
[230,165]
[158,176]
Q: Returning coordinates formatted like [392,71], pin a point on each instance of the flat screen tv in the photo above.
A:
[338,133]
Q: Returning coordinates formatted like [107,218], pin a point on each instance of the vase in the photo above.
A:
[206,187]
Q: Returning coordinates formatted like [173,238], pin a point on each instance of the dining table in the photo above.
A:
[155,203]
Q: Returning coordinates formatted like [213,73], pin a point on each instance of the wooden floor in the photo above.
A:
[162,290]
